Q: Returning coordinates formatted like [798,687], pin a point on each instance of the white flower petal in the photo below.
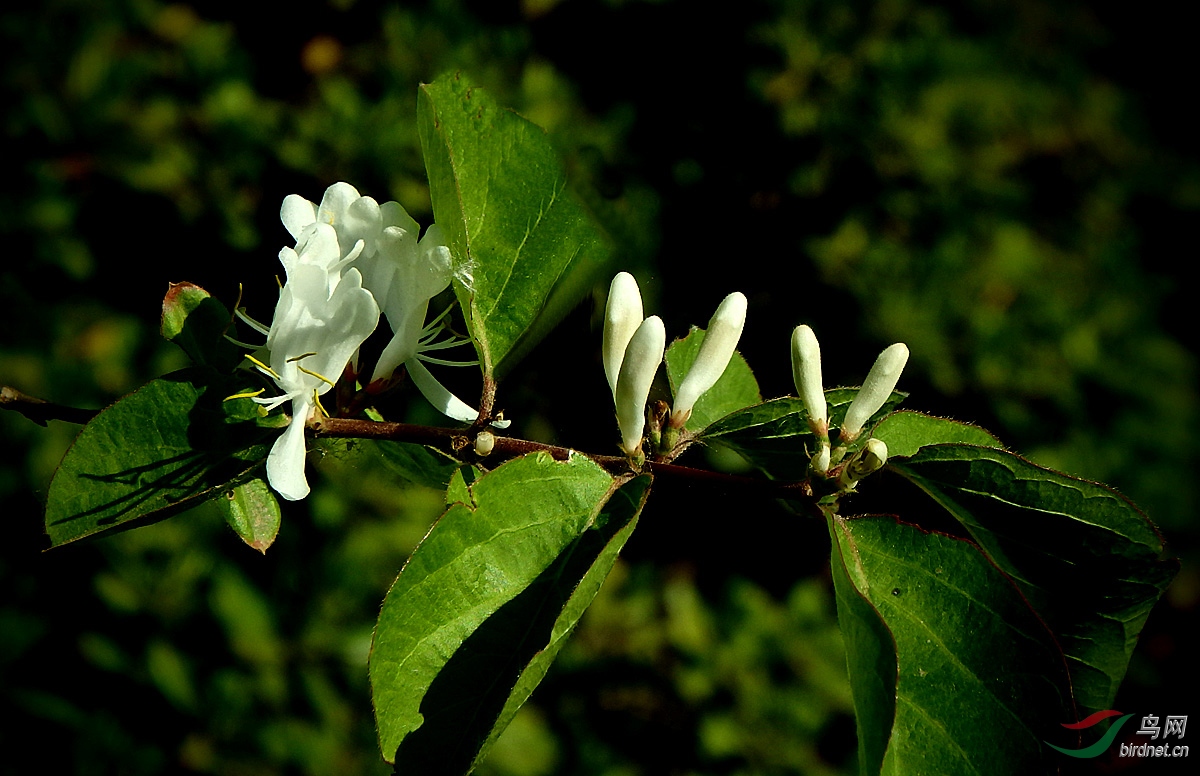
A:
[445,402]
[405,342]
[297,213]
[432,272]
[336,202]
[394,215]
[285,462]
[318,246]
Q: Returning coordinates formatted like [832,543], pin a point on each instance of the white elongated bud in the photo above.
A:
[806,370]
[622,317]
[876,389]
[720,340]
[640,364]
[869,459]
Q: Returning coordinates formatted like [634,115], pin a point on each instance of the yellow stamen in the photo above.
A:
[246,395]
[314,374]
[320,408]
[263,367]
[303,355]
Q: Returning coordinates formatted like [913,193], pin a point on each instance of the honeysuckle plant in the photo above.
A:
[967,648]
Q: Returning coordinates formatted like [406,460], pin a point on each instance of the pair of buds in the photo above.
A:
[875,391]
[634,346]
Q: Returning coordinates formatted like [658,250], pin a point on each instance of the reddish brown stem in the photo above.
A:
[509,447]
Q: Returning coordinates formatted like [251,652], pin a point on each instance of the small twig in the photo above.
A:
[39,410]
[455,440]
[509,447]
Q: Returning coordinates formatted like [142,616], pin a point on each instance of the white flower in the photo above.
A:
[622,317]
[321,319]
[411,274]
[876,389]
[354,218]
[638,367]
[870,458]
[720,340]
[402,273]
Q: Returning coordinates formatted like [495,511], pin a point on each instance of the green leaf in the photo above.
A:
[170,445]
[736,388]
[252,511]
[1089,562]
[974,677]
[524,247]
[417,463]
[484,603]
[871,663]
[589,563]
[458,491]
[906,432]
[197,322]
[774,435]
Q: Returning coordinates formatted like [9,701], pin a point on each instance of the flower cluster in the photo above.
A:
[633,348]
[353,259]
[323,315]
[875,391]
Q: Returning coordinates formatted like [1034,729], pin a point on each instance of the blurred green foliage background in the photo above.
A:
[1005,186]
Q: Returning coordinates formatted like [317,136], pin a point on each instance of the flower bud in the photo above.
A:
[724,331]
[640,364]
[876,389]
[484,442]
[622,317]
[820,460]
[806,371]
[869,459]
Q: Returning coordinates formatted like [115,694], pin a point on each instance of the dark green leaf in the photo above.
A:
[736,388]
[979,682]
[252,511]
[524,247]
[905,432]
[170,445]
[417,463]
[871,663]
[484,603]
[774,435]
[197,322]
[1087,559]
